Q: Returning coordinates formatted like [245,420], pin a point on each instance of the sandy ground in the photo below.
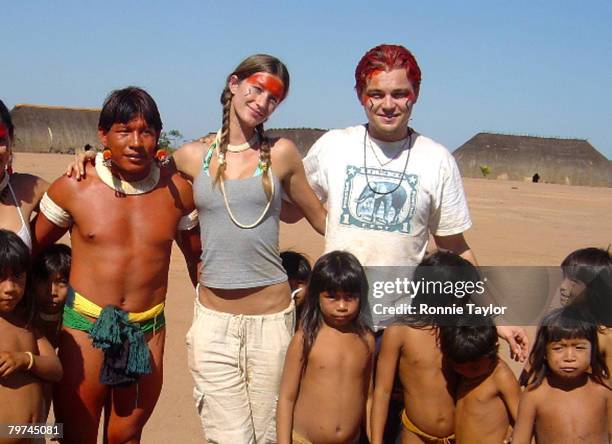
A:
[514,223]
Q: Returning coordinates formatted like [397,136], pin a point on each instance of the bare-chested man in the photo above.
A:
[123,218]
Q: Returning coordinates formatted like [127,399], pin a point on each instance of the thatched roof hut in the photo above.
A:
[54,129]
[562,161]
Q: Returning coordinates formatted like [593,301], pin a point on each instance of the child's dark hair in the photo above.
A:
[123,105]
[466,342]
[296,265]
[337,271]
[434,271]
[14,261]
[593,267]
[570,322]
[5,117]
[54,260]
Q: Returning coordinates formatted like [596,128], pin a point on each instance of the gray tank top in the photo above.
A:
[234,257]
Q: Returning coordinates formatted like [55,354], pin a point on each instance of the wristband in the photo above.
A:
[31,363]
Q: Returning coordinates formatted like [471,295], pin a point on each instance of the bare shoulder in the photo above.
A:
[29,182]
[503,372]
[369,338]
[396,334]
[283,149]
[189,157]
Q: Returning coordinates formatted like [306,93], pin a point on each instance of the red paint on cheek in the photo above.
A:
[3,131]
[269,82]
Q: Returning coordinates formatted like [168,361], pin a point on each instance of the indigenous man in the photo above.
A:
[123,217]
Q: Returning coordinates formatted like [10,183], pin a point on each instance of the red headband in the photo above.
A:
[269,82]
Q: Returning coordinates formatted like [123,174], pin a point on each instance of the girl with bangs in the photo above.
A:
[566,399]
[327,380]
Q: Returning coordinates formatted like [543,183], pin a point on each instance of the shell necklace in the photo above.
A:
[268,171]
[123,186]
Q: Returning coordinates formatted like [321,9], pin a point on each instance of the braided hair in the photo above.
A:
[251,65]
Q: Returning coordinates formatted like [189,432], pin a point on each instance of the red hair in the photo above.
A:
[386,58]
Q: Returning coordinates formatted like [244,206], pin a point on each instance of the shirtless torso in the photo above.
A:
[428,385]
[121,248]
[554,415]
[487,407]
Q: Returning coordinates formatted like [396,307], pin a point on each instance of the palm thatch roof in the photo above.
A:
[562,161]
[53,129]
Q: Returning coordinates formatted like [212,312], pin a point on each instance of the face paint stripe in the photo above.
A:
[269,82]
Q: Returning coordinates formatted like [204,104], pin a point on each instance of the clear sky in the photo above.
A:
[520,67]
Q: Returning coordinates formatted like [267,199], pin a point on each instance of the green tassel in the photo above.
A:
[106,331]
[139,360]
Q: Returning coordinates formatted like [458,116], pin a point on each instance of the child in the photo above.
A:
[587,282]
[488,392]
[50,274]
[566,399]
[327,378]
[298,271]
[26,357]
[412,347]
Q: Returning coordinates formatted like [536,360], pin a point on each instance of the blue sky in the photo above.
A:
[518,67]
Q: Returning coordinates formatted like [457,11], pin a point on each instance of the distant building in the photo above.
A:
[562,161]
[54,129]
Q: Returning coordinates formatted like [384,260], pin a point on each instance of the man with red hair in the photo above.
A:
[386,186]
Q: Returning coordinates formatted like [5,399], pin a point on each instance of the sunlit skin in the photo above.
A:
[338,308]
[569,358]
[569,406]
[132,145]
[571,290]
[388,99]
[255,99]
[487,401]
[327,403]
[121,246]
[11,291]
[21,390]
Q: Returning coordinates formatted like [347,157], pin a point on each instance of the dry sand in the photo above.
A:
[514,223]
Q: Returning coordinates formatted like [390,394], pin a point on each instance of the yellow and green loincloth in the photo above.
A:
[119,334]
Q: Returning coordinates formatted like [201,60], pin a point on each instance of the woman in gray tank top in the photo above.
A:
[243,317]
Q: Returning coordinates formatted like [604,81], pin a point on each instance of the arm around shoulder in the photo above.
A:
[189,157]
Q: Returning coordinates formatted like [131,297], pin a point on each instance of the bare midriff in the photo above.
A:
[247,301]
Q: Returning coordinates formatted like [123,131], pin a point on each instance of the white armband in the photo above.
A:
[54,212]
[188,221]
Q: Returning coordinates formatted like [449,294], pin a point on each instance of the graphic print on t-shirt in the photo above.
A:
[373,206]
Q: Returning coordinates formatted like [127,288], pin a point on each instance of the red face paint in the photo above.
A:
[269,82]
[3,131]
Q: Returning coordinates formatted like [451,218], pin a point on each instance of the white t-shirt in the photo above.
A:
[384,217]
[386,229]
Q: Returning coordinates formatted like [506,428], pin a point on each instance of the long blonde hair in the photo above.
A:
[251,65]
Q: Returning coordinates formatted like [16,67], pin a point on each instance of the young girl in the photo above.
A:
[411,349]
[26,357]
[327,377]
[587,282]
[566,399]
[50,276]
